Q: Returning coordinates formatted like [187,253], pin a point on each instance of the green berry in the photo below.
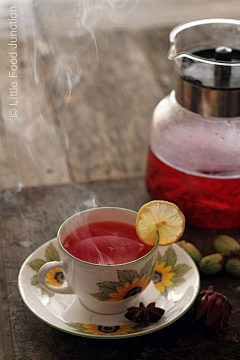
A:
[191,250]
[211,264]
[226,244]
[233,266]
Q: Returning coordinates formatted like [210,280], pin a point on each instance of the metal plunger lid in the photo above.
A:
[206,56]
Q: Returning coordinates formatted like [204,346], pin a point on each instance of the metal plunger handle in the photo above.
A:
[223,74]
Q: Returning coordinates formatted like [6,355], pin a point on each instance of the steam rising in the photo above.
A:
[80,20]
[36,143]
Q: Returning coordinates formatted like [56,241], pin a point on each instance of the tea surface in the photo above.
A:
[106,243]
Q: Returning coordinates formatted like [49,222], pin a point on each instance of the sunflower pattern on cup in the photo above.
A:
[54,277]
[130,283]
[103,330]
[167,273]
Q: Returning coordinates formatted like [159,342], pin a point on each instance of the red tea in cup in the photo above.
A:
[106,243]
[101,246]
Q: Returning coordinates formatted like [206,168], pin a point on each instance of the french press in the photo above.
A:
[194,150]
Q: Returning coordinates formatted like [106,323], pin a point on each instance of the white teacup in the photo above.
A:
[105,289]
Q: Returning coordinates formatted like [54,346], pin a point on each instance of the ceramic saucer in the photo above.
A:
[174,288]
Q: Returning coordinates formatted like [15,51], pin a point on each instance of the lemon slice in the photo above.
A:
[159,217]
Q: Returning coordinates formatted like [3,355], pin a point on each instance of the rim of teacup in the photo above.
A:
[101,265]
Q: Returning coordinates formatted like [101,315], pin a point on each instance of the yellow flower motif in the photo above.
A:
[130,288]
[162,276]
[107,330]
[55,277]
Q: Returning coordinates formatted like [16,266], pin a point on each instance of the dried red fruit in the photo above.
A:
[144,314]
[213,308]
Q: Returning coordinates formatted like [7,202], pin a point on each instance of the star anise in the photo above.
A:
[144,314]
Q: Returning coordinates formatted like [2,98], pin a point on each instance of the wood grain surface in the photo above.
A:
[110,109]
[109,113]
[136,13]
[155,44]
[32,216]
[31,152]
[92,129]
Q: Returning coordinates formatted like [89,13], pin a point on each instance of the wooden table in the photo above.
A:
[30,218]
[107,121]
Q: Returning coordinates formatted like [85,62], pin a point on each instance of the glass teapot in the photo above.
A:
[194,152]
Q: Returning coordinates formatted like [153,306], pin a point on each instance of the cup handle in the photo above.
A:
[42,278]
